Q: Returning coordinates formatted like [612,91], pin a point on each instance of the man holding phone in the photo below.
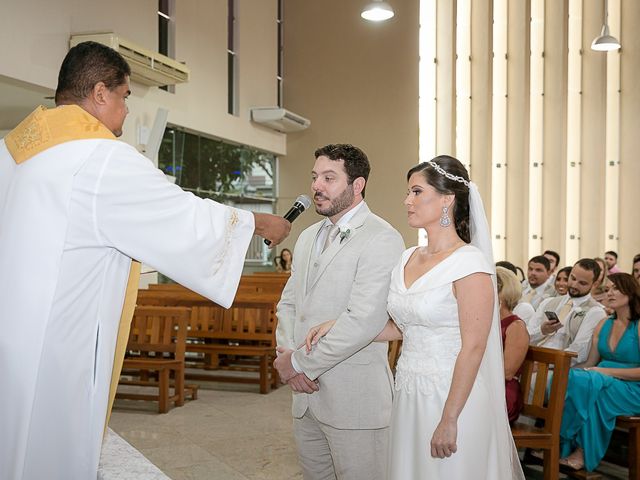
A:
[567,322]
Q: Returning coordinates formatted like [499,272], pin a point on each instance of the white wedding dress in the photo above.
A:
[427,315]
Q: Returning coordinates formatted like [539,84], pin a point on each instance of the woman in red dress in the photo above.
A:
[515,339]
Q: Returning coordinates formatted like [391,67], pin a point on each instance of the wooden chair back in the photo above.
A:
[159,331]
[249,322]
[539,363]
[395,349]
[543,361]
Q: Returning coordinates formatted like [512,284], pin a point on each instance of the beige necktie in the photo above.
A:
[529,296]
[332,233]
[564,311]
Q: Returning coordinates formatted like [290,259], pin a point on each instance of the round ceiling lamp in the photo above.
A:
[377,11]
[605,42]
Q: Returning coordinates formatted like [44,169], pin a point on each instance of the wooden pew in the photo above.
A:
[543,361]
[246,330]
[157,342]
[244,334]
[632,425]
[265,283]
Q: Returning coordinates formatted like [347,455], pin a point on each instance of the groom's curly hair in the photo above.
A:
[446,186]
[356,163]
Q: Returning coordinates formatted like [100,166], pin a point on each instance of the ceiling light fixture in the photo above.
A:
[605,42]
[377,11]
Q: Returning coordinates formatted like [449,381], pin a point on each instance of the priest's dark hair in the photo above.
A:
[85,65]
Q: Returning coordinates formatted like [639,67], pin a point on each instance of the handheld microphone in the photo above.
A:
[300,205]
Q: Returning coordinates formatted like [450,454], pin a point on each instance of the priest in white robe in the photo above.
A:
[76,206]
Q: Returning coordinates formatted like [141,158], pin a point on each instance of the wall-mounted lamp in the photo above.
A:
[377,11]
[605,42]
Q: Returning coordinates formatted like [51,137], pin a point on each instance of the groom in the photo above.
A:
[341,271]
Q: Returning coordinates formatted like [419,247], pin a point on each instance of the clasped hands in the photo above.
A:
[298,382]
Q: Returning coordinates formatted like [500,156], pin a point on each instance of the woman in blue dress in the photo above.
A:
[608,384]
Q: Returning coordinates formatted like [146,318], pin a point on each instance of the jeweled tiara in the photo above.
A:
[450,176]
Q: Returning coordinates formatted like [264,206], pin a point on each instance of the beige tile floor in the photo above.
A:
[230,433]
[224,435]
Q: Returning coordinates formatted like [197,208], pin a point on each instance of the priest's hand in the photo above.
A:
[271,227]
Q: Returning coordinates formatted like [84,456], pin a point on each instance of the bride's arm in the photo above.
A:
[475,311]
[389,332]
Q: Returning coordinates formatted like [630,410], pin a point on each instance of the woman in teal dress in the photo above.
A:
[608,384]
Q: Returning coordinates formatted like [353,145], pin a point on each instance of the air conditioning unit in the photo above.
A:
[147,67]
[279,119]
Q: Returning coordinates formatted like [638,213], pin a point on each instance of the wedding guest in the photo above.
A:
[515,339]
[283,262]
[538,287]
[611,258]
[608,385]
[562,281]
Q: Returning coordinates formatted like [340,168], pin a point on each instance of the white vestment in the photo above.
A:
[71,219]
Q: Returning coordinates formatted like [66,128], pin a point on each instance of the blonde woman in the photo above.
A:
[515,339]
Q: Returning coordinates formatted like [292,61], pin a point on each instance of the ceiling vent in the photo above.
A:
[279,119]
[147,67]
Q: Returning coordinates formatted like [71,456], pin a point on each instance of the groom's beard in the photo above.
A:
[338,204]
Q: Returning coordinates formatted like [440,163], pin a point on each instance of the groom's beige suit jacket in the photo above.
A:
[348,282]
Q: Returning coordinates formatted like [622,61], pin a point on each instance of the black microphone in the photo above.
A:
[300,205]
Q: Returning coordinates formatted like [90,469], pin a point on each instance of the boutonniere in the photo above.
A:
[345,231]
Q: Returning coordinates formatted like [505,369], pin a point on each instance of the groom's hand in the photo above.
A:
[283,364]
[298,382]
[303,384]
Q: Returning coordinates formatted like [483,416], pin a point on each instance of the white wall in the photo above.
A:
[35,33]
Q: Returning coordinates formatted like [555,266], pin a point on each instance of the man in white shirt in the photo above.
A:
[537,287]
[577,314]
[76,207]
[341,271]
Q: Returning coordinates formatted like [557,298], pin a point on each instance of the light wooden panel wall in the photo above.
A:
[547,126]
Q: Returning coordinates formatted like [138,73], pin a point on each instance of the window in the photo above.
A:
[166,29]
[280,53]
[232,58]
[235,175]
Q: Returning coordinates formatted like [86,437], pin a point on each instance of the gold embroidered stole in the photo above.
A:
[46,128]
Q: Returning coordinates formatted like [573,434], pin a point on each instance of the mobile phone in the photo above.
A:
[552,316]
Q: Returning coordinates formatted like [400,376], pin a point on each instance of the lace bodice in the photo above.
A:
[427,315]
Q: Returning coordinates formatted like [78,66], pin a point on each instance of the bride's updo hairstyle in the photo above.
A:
[449,177]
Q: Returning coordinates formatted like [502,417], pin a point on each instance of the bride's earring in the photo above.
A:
[445,221]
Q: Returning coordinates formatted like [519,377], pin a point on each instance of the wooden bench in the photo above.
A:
[157,342]
[542,361]
[246,330]
[243,334]
[632,426]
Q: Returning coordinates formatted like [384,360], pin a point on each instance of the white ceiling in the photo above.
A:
[18,99]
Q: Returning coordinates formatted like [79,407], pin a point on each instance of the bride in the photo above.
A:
[449,415]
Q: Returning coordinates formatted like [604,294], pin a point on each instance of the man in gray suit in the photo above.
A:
[341,271]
